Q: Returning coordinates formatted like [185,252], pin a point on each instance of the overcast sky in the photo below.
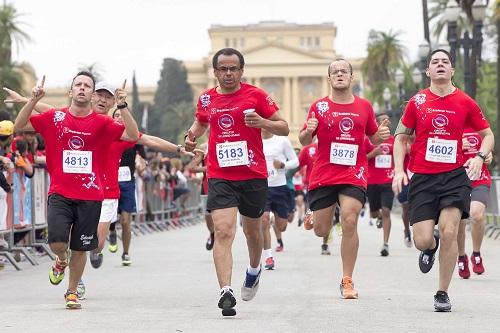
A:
[126,35]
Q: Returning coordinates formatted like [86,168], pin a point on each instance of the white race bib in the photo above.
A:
[77,161]
[343,153]
[441,150]
[124,174]
[383,161]
[232,154]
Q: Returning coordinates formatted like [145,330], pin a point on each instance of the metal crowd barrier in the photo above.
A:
[24,210]
[493,210]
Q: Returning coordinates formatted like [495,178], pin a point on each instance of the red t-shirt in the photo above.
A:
[381,167]
[341,151]
[307,156]
[475,141]
[439,123]
[112,169]
[235,150]
[75,147]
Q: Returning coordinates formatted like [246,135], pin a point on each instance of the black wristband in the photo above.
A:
[122,106]
[481,155]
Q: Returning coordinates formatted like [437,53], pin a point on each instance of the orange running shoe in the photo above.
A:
[308,220]
[347,288]
[71,298]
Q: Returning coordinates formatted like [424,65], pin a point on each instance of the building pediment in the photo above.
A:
[276,53]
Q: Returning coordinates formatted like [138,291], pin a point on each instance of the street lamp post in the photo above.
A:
[423,52]
[471,45]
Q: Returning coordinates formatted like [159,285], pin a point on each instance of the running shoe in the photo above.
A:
[269,263]
[463,267]
[126,260]
[477,264]
[210,242]
[347,290]
[80,290]
[96,259]
[408,238]
[325,250]
[71,298]
[308,220]
[426,258]
[379,223]
[250,286]
[56,272]
[442,302]
[227,302]
[279,248]
[113,245]
[384,252]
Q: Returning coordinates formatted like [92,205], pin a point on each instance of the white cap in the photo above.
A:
[105,86]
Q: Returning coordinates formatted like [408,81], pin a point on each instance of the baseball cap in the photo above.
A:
[105,86]
[6,127]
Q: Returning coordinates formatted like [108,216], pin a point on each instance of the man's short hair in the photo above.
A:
[228,51]
[339,59]
[452,61]
[84,73]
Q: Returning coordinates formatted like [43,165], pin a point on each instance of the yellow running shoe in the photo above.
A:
[56,272]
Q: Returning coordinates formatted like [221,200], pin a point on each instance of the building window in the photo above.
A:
[242,42]
[302,42]
[309,41]
[226,42]
[316,41]
[235,42]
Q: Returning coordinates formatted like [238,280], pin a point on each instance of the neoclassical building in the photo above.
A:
[289,61]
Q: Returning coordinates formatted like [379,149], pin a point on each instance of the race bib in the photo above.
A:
[76,161]
[383,161]
[124,174]
[343,153]
[232,154]
[441,150]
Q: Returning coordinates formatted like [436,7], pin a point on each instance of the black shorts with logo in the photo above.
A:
[248,195]
[323,197]
[74,221]
[380,195]
[430,193]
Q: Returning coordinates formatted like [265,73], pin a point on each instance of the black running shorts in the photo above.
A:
[481,193]
[74,221]
[248,195]
[380,195]
[323,197]
[430,193]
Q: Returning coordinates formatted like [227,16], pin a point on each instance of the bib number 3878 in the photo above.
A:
[441,150]
[232,154]
[343,153]
[76,161]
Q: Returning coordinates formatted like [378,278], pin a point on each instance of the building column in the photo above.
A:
[296,108]
[287,101]
[325,87]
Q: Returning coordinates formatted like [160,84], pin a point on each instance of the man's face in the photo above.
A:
[380,119]
[29,137]
[103,101]
[440,69]
[228,72]
[340,77]
[82,90]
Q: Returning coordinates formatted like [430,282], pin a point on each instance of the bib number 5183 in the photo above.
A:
[232,154]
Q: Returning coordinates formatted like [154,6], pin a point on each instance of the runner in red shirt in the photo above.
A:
[480,196]
[236,166]
[380,173]
[440,187]
[340,122]
[76,142]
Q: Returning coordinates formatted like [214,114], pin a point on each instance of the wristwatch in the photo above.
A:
[122,106]
[482,155]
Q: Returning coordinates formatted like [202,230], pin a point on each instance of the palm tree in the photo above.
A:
[10,32]
[95,68]
[385,53]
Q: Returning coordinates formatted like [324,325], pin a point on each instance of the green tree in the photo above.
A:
[177,120]
[385,54]
[173,89]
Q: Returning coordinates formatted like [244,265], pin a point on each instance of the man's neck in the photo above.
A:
[223,91]
[344,96]
[80,110]
[442,89]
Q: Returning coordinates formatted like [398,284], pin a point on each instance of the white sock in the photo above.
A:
[253,271]
[226,287]
[268,253]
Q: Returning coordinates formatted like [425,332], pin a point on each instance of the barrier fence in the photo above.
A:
[23,212]
[493,210]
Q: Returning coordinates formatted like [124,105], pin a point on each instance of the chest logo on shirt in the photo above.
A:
[226,122]
[440,121]
[59,116]
[205,100]
[386,150]
[76,143]
[322,107]
[346,125]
